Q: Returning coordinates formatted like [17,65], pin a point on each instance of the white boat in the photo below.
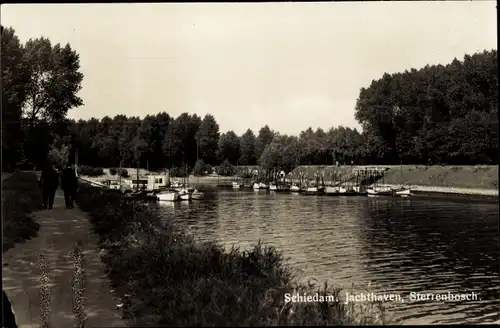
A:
[294,188]
[184,194]
[197,194]
[342,190]
[176,184]
[168,195]
[331,190]
[379,191]
[236,185]
[273,187]
[259,185]
[402,191]
[405,192]
[311,191]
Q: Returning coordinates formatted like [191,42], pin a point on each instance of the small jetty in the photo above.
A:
[342,181]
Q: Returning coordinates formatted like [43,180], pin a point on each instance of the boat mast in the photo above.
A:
[137,184]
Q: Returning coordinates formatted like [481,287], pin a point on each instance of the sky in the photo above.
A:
[290,65]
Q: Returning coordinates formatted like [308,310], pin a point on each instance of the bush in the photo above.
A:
[201,169]
[208,169]
[113,171]
[90,171]
[124,173]
[166,278]
[179,172]
[20,197]
[198,169]
[225,169]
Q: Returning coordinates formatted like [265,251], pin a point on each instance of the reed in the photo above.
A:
[44,292]
[166,277]
[78,286]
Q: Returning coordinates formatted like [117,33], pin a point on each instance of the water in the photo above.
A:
[385,245]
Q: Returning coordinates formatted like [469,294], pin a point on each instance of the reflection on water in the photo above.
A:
[396,245]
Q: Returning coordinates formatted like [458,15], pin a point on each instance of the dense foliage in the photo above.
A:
[40,83]
[20,197]
[434,115]
[438,114]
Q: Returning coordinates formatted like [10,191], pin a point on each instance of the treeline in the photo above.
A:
[438,114]
[160,141]
[435,115]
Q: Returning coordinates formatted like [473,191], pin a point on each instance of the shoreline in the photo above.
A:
[418,188]
[149,263]
[478,180]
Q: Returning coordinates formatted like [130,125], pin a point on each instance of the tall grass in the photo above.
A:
[165,277]
[44,292]
[20,197]
[78,286]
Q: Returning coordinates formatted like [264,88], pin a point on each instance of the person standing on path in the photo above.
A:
[69,184]
[49,181]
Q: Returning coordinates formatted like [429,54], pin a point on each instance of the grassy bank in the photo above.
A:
[165,277]
[477,177]
[20,197]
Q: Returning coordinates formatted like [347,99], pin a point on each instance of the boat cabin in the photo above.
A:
[157,181]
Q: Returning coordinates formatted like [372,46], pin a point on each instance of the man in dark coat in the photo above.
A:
[69,184]
[8,317]
[49,182]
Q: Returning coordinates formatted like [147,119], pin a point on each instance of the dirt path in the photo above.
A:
[60,230]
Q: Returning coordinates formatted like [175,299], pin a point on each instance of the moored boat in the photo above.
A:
[294,188]
[405,192]
[331,190]
[379,191]
[260,185]
[176,184]
[311,191]
[283,188]
[184,194]
[273,187]
[168,195]
[236,185]
[196,194]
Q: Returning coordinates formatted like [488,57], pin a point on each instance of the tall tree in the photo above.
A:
[247,148]
[263,139]
[208,139]
[14,78]
[229,148]
[54,81]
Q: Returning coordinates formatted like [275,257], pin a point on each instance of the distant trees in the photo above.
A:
[263,139]
[438,114]
[435,115]
[247,148]
[208,139]
[229,148]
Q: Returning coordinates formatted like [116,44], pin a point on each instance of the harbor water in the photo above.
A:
[382,245]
